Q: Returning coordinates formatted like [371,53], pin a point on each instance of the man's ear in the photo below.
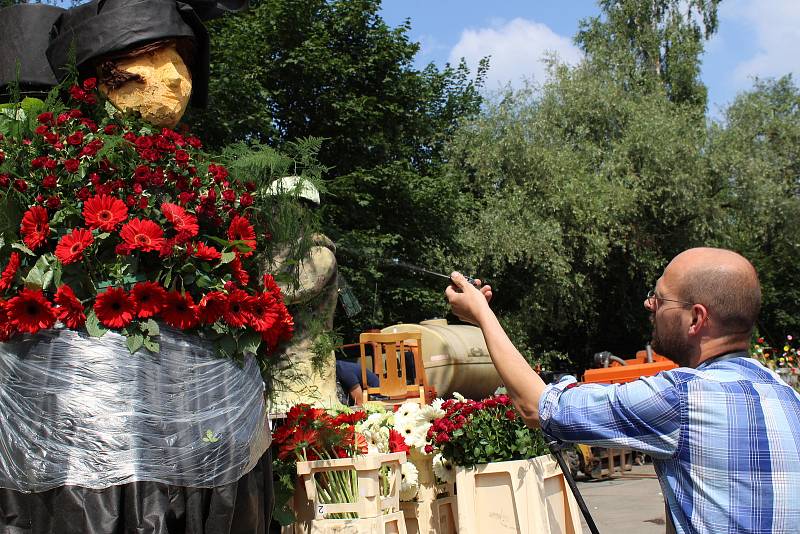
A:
[699,319]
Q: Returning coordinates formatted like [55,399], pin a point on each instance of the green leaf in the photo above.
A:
[93,327]
[151,345]
[102,236]
[150,327]
[40,275]
[23,248]
[134,342]
[249,342]
[227,346]
[227,257]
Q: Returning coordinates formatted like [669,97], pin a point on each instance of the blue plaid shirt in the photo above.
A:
[725,438]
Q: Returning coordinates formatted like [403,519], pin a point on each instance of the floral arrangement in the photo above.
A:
[403,430]
[310,433]
[478,432]
[785,360]
[108,224]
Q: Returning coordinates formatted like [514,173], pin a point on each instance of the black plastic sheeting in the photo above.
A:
[243,507]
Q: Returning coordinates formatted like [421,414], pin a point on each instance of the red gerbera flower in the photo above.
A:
[9,272]
[7,329]
[184,223]
[30,311]
[271,286]
[397,443]
[237,309]
[70,309]
[104,212]
[239,273]
[34,227]
[204,252]
[179,311]
[263,312]
[211,307]
[240,229]
[70,247]
[142,234]
[149,298]
[115,308]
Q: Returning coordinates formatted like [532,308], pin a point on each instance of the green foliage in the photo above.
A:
[755,163]
[652,44]
[333,70]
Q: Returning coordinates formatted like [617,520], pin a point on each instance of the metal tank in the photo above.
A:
[455,358]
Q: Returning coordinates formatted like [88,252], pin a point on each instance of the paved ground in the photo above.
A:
[625,505]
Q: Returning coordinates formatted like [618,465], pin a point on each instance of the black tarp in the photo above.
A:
[243,507]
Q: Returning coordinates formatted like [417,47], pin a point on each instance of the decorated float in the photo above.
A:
[138,306]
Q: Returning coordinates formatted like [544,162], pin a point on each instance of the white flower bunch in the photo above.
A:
[443,469]
[409,481]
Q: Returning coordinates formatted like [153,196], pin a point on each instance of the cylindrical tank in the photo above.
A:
[455,358]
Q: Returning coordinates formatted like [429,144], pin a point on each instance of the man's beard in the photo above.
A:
[668,342]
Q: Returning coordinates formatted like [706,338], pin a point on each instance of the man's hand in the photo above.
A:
[468,301]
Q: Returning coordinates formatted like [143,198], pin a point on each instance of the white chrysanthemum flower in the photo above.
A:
[409,481]
[458,396]
[418,437]
[377,438]
[444,469]
[437,403]
[430,413]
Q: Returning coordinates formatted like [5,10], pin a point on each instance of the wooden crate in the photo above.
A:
[391,523]
[517,497]
[370,502]
[437,517]
[435,508]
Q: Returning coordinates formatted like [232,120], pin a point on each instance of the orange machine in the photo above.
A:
[632,369]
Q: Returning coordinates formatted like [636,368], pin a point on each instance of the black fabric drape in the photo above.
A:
[242,507]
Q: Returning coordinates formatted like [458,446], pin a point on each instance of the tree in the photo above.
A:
[650,44]
[333,69]
[754,158]
[582,191]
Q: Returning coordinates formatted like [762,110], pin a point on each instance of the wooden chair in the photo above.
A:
[389,363]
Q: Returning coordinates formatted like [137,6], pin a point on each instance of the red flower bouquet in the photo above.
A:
[109,224]
[479,432]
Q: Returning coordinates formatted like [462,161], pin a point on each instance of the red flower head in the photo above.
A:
[204,252]
[237,310]
[104,212]
[115,308]
[179,311]
[72,165]
[30,311]
[142,234]
[75,139]
[34,227]
[7,328]
[70,309]
[185,224]
[263,312]
[211,307]
[9,272]
[397,443]
[239,273]
[149,298]
[240,229]
[70,247]
[271,286]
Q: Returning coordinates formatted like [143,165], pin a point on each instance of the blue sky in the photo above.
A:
[755,38]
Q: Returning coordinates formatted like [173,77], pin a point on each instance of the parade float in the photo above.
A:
[136,315]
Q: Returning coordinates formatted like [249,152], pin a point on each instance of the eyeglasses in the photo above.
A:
[652,297]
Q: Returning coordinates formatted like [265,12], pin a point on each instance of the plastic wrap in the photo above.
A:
[77,410]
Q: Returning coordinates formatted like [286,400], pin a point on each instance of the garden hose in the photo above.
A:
[555,450]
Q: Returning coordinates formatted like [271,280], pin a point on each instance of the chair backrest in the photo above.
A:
[389,362]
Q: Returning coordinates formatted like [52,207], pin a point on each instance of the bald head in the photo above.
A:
[724,282]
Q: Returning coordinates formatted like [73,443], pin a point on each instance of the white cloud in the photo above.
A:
[776,25]
[516,48]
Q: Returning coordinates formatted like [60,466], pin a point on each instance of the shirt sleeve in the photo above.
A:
[643,415]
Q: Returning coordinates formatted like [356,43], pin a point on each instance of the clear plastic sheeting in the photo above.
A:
[77,410]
